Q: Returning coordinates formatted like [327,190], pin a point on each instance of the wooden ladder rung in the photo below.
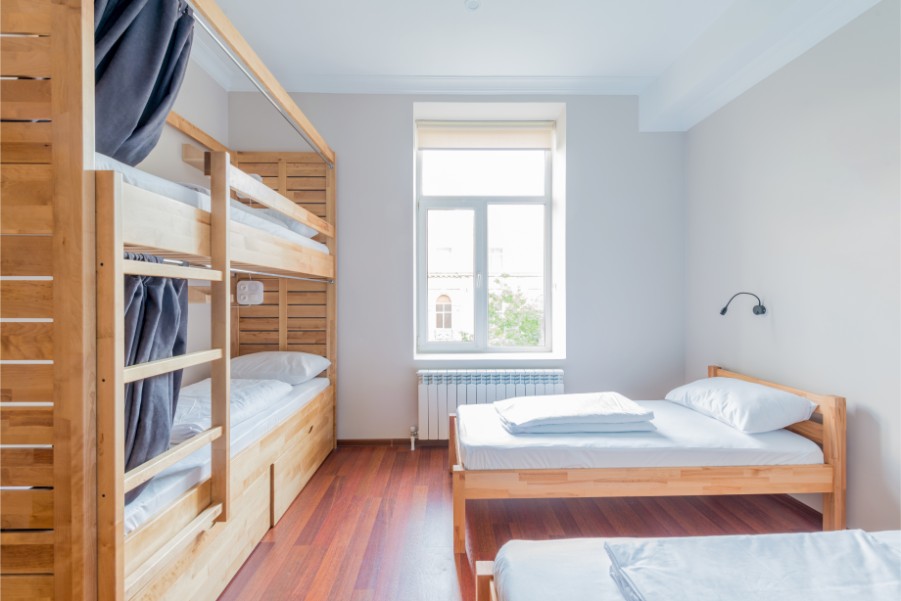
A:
[168,270]
[167,552]
[147,470]
[141,371]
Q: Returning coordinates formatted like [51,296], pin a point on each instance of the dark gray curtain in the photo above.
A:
[156,327]
[141,54]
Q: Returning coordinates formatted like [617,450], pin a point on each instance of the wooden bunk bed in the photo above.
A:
[64,230]
[826,428]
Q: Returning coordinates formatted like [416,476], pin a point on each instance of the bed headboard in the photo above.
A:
[295,315]
[826,427]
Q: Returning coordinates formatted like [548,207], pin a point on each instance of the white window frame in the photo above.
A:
[479,205]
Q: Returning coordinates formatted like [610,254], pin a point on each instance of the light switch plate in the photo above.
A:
[250,292]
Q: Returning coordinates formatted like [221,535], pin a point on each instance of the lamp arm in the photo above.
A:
[758,310]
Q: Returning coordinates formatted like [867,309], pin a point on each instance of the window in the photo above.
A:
[444,313]
[484,237]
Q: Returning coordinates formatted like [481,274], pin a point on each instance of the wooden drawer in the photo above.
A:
[310,446]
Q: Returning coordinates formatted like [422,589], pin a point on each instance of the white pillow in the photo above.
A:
[288,366]
[745,406]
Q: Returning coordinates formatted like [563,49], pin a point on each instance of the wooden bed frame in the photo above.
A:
[826,427]
[63,231]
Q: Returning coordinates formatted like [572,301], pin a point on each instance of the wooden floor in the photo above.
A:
[374,524]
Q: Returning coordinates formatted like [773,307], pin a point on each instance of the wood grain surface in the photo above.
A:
[374,522]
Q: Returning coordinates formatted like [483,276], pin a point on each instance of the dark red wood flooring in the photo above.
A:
[374,524]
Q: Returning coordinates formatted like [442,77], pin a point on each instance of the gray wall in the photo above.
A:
[793,193]
[625,277]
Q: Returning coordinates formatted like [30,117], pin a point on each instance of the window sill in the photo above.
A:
[485,357]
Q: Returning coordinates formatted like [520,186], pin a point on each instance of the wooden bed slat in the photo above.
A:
[26,467]
[31,132]
[263,194]
[26,588]
[26,383]
[251,156]
[25,16]
[26,552]
[151,468]
[26,425]
[25,56]
[166,270]
[26,255]
[25,99]
[254,247]
[25,152]
[187,229]
[182,539]
[141,371]
[26,341]
[143,542]
[25,202]
[26,509]
[26,299]
[195,133]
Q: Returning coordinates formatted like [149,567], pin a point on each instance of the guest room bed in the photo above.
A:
[580,569]
[688,454]
[69,217]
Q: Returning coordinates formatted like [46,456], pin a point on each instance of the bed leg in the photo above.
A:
[452,443]
[484,576]
[459,492]
[833,512]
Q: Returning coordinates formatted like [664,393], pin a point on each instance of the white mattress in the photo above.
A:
[189,196]
[164,489]
[683,438]
[576,569]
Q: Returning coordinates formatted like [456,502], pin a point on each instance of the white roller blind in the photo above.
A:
[441,135]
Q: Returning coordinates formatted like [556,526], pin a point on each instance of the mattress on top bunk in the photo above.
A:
[576,569]
[200,200]
[683,438]
[167,487]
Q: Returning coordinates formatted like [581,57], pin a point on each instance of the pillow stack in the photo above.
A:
[592,412]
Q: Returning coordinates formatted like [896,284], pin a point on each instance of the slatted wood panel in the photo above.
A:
[294,314]
[27,537]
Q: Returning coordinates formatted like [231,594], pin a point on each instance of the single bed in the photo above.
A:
[571,569]
[689,454]
[167,487]
[198,197]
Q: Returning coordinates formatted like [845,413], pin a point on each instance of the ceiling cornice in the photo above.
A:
[750,41]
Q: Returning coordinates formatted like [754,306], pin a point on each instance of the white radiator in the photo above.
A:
[442,390]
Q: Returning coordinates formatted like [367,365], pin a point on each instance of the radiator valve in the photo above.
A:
[414,432]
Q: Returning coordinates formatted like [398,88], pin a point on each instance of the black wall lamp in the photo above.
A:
[758,309]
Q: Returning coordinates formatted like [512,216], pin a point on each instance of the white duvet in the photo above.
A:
[248,398]
[578,569]
[819,566]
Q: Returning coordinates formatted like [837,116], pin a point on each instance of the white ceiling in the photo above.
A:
[683,58]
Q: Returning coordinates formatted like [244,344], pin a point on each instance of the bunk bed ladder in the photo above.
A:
[112,375]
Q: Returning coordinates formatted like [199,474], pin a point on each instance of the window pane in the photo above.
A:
[483,172]
[516,276]
[450,275]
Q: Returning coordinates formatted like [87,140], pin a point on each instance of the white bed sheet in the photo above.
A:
[683,438]
[164,489]
[183,194]
[576,569]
